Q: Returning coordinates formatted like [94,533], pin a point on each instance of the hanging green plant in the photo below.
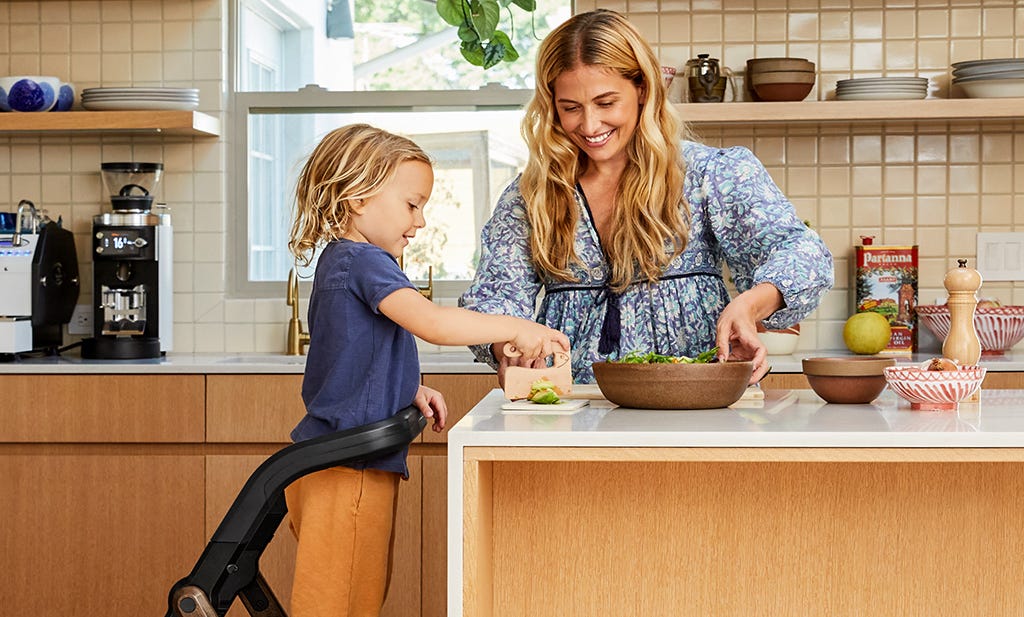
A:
[482,43]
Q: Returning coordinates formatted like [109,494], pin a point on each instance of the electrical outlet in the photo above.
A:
[1001,256]
[81,320]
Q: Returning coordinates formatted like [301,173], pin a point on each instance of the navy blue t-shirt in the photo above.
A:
[362,367]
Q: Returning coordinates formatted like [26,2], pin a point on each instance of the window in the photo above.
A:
[395,65]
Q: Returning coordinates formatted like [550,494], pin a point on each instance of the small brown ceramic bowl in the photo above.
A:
[848,380]
[782,92]
[673,386]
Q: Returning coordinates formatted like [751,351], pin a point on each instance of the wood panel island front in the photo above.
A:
[789,506]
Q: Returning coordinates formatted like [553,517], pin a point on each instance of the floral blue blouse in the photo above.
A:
[737,215]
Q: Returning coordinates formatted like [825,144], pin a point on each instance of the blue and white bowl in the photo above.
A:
[28,93]
[65,97]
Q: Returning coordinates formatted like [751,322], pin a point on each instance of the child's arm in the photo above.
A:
[431,404]
[449,325]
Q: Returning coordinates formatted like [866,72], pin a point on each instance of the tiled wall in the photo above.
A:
[935,186]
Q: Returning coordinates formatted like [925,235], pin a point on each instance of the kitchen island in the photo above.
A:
[786,506]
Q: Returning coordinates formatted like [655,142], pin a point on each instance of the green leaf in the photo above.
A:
[493,54]
[486,15]
[468,34]
[453,11]
[473,52]
[526,5]
[511,55]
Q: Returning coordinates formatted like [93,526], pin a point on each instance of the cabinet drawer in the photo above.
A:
[252,408]
[101,408]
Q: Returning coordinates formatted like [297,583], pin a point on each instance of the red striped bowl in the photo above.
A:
[999,327]
[933,390]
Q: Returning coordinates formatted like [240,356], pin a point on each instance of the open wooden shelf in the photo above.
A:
[162,122]
[852,112]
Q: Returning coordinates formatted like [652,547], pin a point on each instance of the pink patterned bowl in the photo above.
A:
[999,327]
[933,390]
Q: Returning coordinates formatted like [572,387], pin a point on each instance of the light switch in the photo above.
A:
[1001,256]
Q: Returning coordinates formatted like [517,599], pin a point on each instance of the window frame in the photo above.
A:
[313,99]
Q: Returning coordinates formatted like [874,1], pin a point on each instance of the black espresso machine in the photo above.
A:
[132,268]
[38,281]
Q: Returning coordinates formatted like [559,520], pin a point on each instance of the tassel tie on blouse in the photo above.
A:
[611,328]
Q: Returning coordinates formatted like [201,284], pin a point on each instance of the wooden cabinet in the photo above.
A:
[102,408]
[252,408]
[98,533]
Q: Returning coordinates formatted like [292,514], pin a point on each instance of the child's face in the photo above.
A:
[390,218]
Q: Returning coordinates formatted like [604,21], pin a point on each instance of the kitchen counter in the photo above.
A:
[786,506]
[455,361]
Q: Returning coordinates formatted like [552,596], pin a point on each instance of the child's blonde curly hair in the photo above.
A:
[350,164]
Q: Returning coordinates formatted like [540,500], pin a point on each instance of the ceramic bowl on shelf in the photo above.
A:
[28,93]
[999,328]
[934,390]
[783,91]
[65,97]
[673,386]
[847,380]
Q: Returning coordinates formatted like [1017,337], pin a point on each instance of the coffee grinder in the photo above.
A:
[132,260]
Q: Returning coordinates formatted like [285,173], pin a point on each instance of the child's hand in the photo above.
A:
[431,404]
[535,340]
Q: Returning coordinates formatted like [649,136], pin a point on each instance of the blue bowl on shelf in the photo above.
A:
[65,97]
[28,93]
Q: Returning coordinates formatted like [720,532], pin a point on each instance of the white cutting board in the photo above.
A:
[567,406]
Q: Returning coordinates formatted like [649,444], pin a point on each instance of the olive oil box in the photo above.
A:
[886,278]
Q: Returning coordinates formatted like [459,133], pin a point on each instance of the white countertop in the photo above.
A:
[785,418]
[453,361]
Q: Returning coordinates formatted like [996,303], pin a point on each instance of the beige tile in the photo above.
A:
[147,36]
[933,54]
[898,236]
[833,212]
[801,181]
[116,36]
[964,210]
[964,148]
[209,338]
[24,13]
[866,212]
[867,56]
[899,180]
[997,210]
[900,55]
[802,26]
[647,24]
[180,11]
[54,12]
[867,149]
[867,24]
[965,22]
[931,242]
[835,25]
[739,27]
[899,148]
[964,179]
[834,180]
[931,180]
[997,21]
[932,23]
[962,241]
[900,24]
[898,211]
[996,178]
[770,150]
[998,48]
[802,150]
[770,26]
[835,56]
[706,28]
[964,49]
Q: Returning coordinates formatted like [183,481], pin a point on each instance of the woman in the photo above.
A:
[625,231]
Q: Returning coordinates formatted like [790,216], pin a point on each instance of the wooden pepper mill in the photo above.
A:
[962,342]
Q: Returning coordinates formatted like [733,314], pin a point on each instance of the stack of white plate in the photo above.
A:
[104,99]
[880,88]
[983,79]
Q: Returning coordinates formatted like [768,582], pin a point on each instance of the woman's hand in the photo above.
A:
[737,327]
[431,404]
[498,349]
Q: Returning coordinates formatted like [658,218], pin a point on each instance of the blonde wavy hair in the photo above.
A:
[651,215]
[350,164]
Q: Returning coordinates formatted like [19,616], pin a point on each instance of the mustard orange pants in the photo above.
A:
[343,520]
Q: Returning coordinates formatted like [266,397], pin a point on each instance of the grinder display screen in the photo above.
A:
[124,243]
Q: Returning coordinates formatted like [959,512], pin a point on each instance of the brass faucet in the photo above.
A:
[428,291]
[297,338]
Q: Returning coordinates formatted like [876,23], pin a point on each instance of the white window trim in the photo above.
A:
[313,99]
